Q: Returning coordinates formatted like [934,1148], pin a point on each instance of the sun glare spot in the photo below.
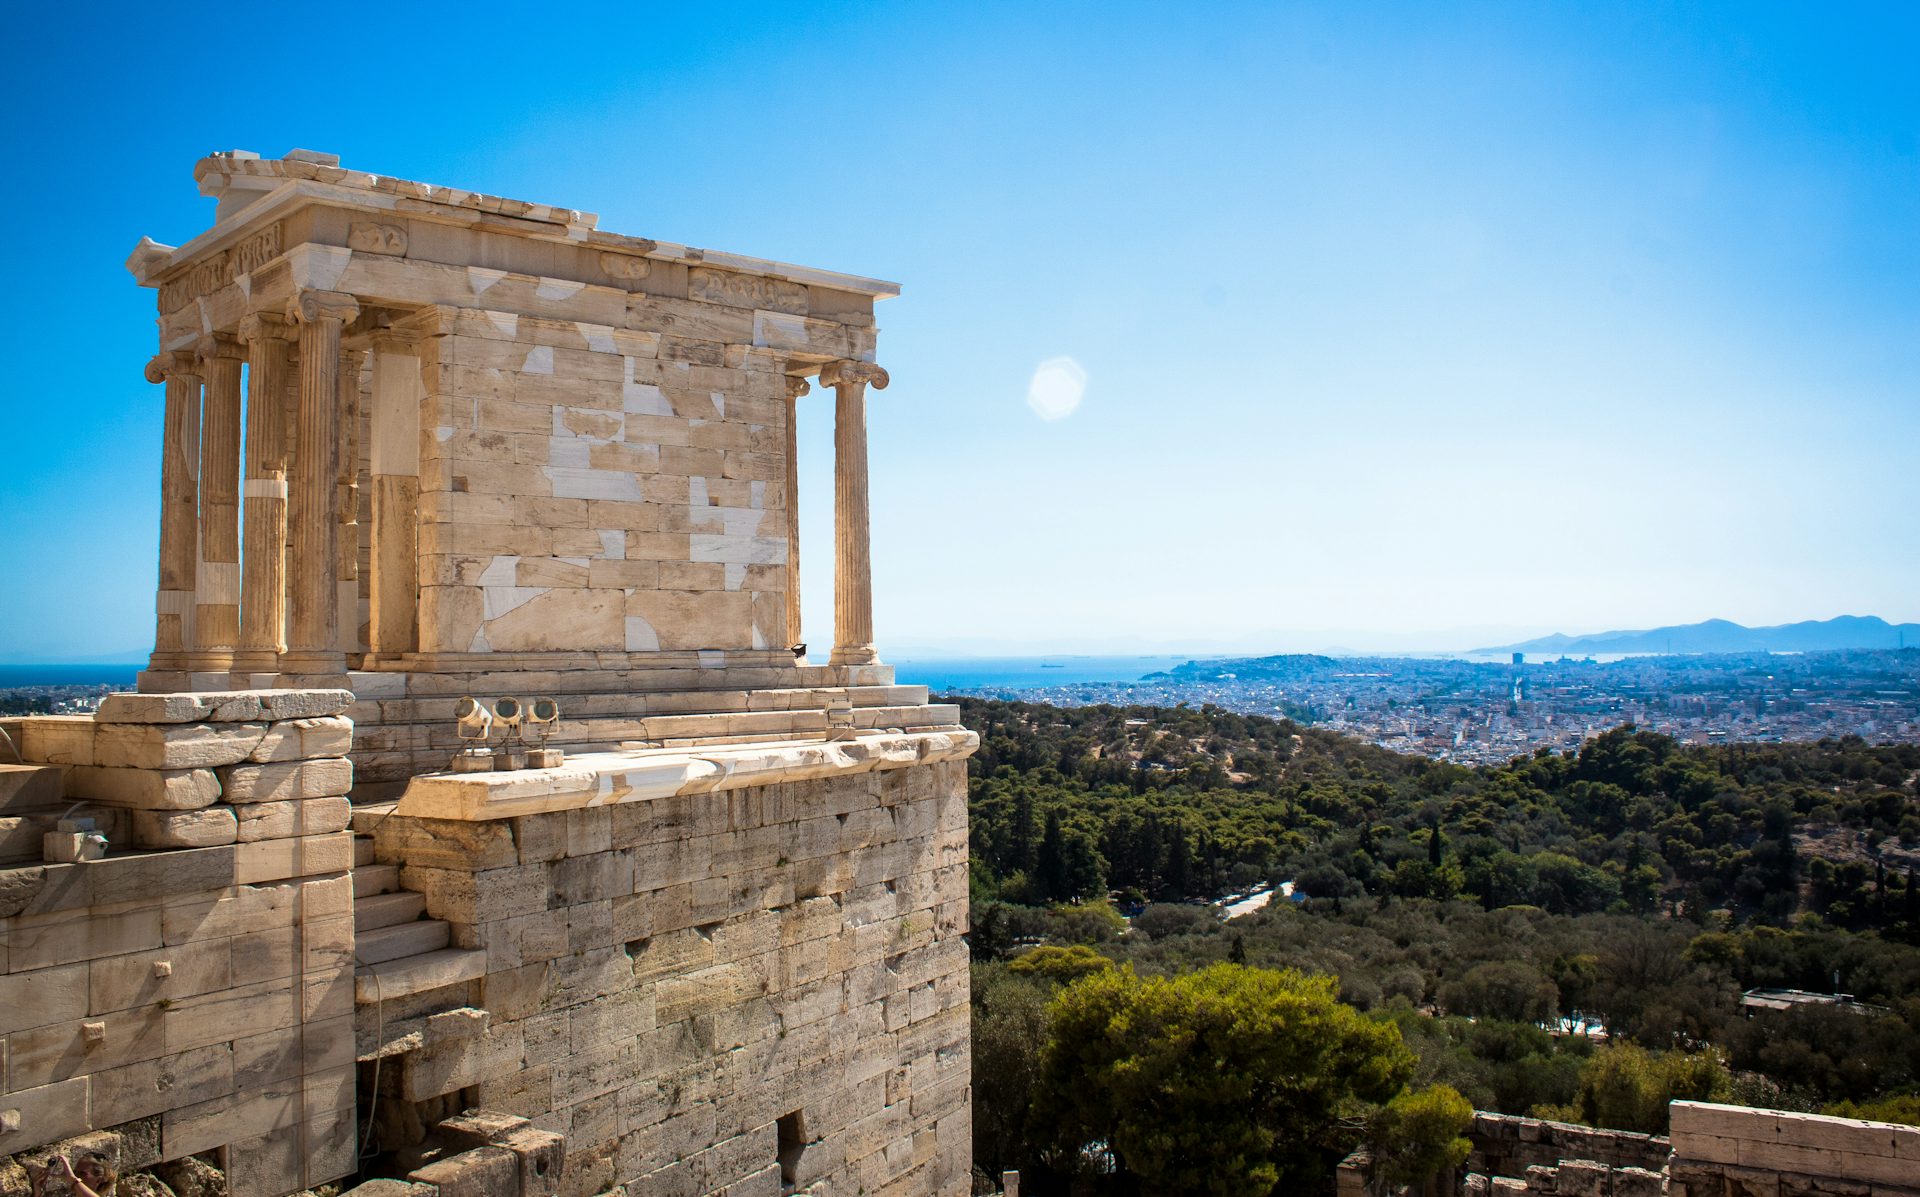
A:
[1056,390]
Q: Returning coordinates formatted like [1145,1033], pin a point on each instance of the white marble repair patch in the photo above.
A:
[496,601]
[539,360]
[613,544]
[640,636]
[599,337]
[556,288]
[503,570]
[571,452]
[642,398]
[574,483]
[480,278]
[505,323]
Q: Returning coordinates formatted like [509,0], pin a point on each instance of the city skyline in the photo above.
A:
[1278,330]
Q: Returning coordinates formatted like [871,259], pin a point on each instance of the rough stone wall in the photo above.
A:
[190,998]
[1507,1145]
[703,992]
[1727,1150]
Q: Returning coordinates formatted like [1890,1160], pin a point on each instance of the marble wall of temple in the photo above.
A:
[489,447]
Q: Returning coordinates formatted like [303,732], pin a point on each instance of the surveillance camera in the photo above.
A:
[472,719]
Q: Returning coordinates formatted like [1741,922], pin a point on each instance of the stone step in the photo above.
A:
[589,733]
[439,709]
[374,879]
[367,816]
[31,789]
[407,939]
[362,851]
[403,978]
[387,910]
[589,673]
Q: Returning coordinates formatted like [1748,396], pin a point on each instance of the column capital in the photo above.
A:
[848,373]
[174,363]
[796,387]
[310,307]
[397,338]
[259,326]
[219,345]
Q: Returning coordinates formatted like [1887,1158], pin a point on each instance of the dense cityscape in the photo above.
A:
[1478,713]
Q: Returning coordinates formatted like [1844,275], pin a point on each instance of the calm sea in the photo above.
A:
[960,673]
[977,673]
[67,675]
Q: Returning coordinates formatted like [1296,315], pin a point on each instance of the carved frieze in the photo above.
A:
[625,268]
[221,269]
[257,250]
[746,291]
[370,238]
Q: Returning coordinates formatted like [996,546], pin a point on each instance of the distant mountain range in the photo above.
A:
[1725,636]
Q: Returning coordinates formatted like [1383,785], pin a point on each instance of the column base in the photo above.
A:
[161,681]
[210,660]
[854,654]
[310,661]
[256,660]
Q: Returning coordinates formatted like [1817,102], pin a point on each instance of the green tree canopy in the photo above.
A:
[1229,1081]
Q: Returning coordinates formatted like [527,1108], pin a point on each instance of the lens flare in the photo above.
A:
[1057,387]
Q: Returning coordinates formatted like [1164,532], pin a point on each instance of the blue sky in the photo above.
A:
[1400,326]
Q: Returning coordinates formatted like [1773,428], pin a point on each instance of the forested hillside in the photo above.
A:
[1639,886]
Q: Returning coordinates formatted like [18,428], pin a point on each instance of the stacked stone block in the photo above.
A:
[200,998]
[1507,1145]
[199,770]
[725,991]
[1728,1149]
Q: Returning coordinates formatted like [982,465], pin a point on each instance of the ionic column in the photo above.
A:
[216,600]
[313,621]
[796,387]
[346,497]
[179,509]
[853,559]
[263,570]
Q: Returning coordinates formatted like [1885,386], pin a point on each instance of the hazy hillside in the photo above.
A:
[1725,636]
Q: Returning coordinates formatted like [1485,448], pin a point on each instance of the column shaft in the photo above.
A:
[313,626]
[217,583]
[796,387]
[853,563]
[346,497]
[263,567]
[179,505]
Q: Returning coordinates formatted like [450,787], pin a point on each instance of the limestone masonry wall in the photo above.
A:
[192,991]
[1730,1150]
[752,991]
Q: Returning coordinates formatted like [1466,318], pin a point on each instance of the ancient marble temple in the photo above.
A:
[419,444]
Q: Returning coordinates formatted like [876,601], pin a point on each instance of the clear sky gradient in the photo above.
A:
[1406,326]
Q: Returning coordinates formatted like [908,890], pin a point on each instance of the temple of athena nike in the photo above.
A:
[280,914]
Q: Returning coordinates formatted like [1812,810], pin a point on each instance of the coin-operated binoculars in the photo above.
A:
[512,753]
[542,714]
[473,723]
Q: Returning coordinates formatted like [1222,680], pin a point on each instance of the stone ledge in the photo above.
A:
[605,778]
